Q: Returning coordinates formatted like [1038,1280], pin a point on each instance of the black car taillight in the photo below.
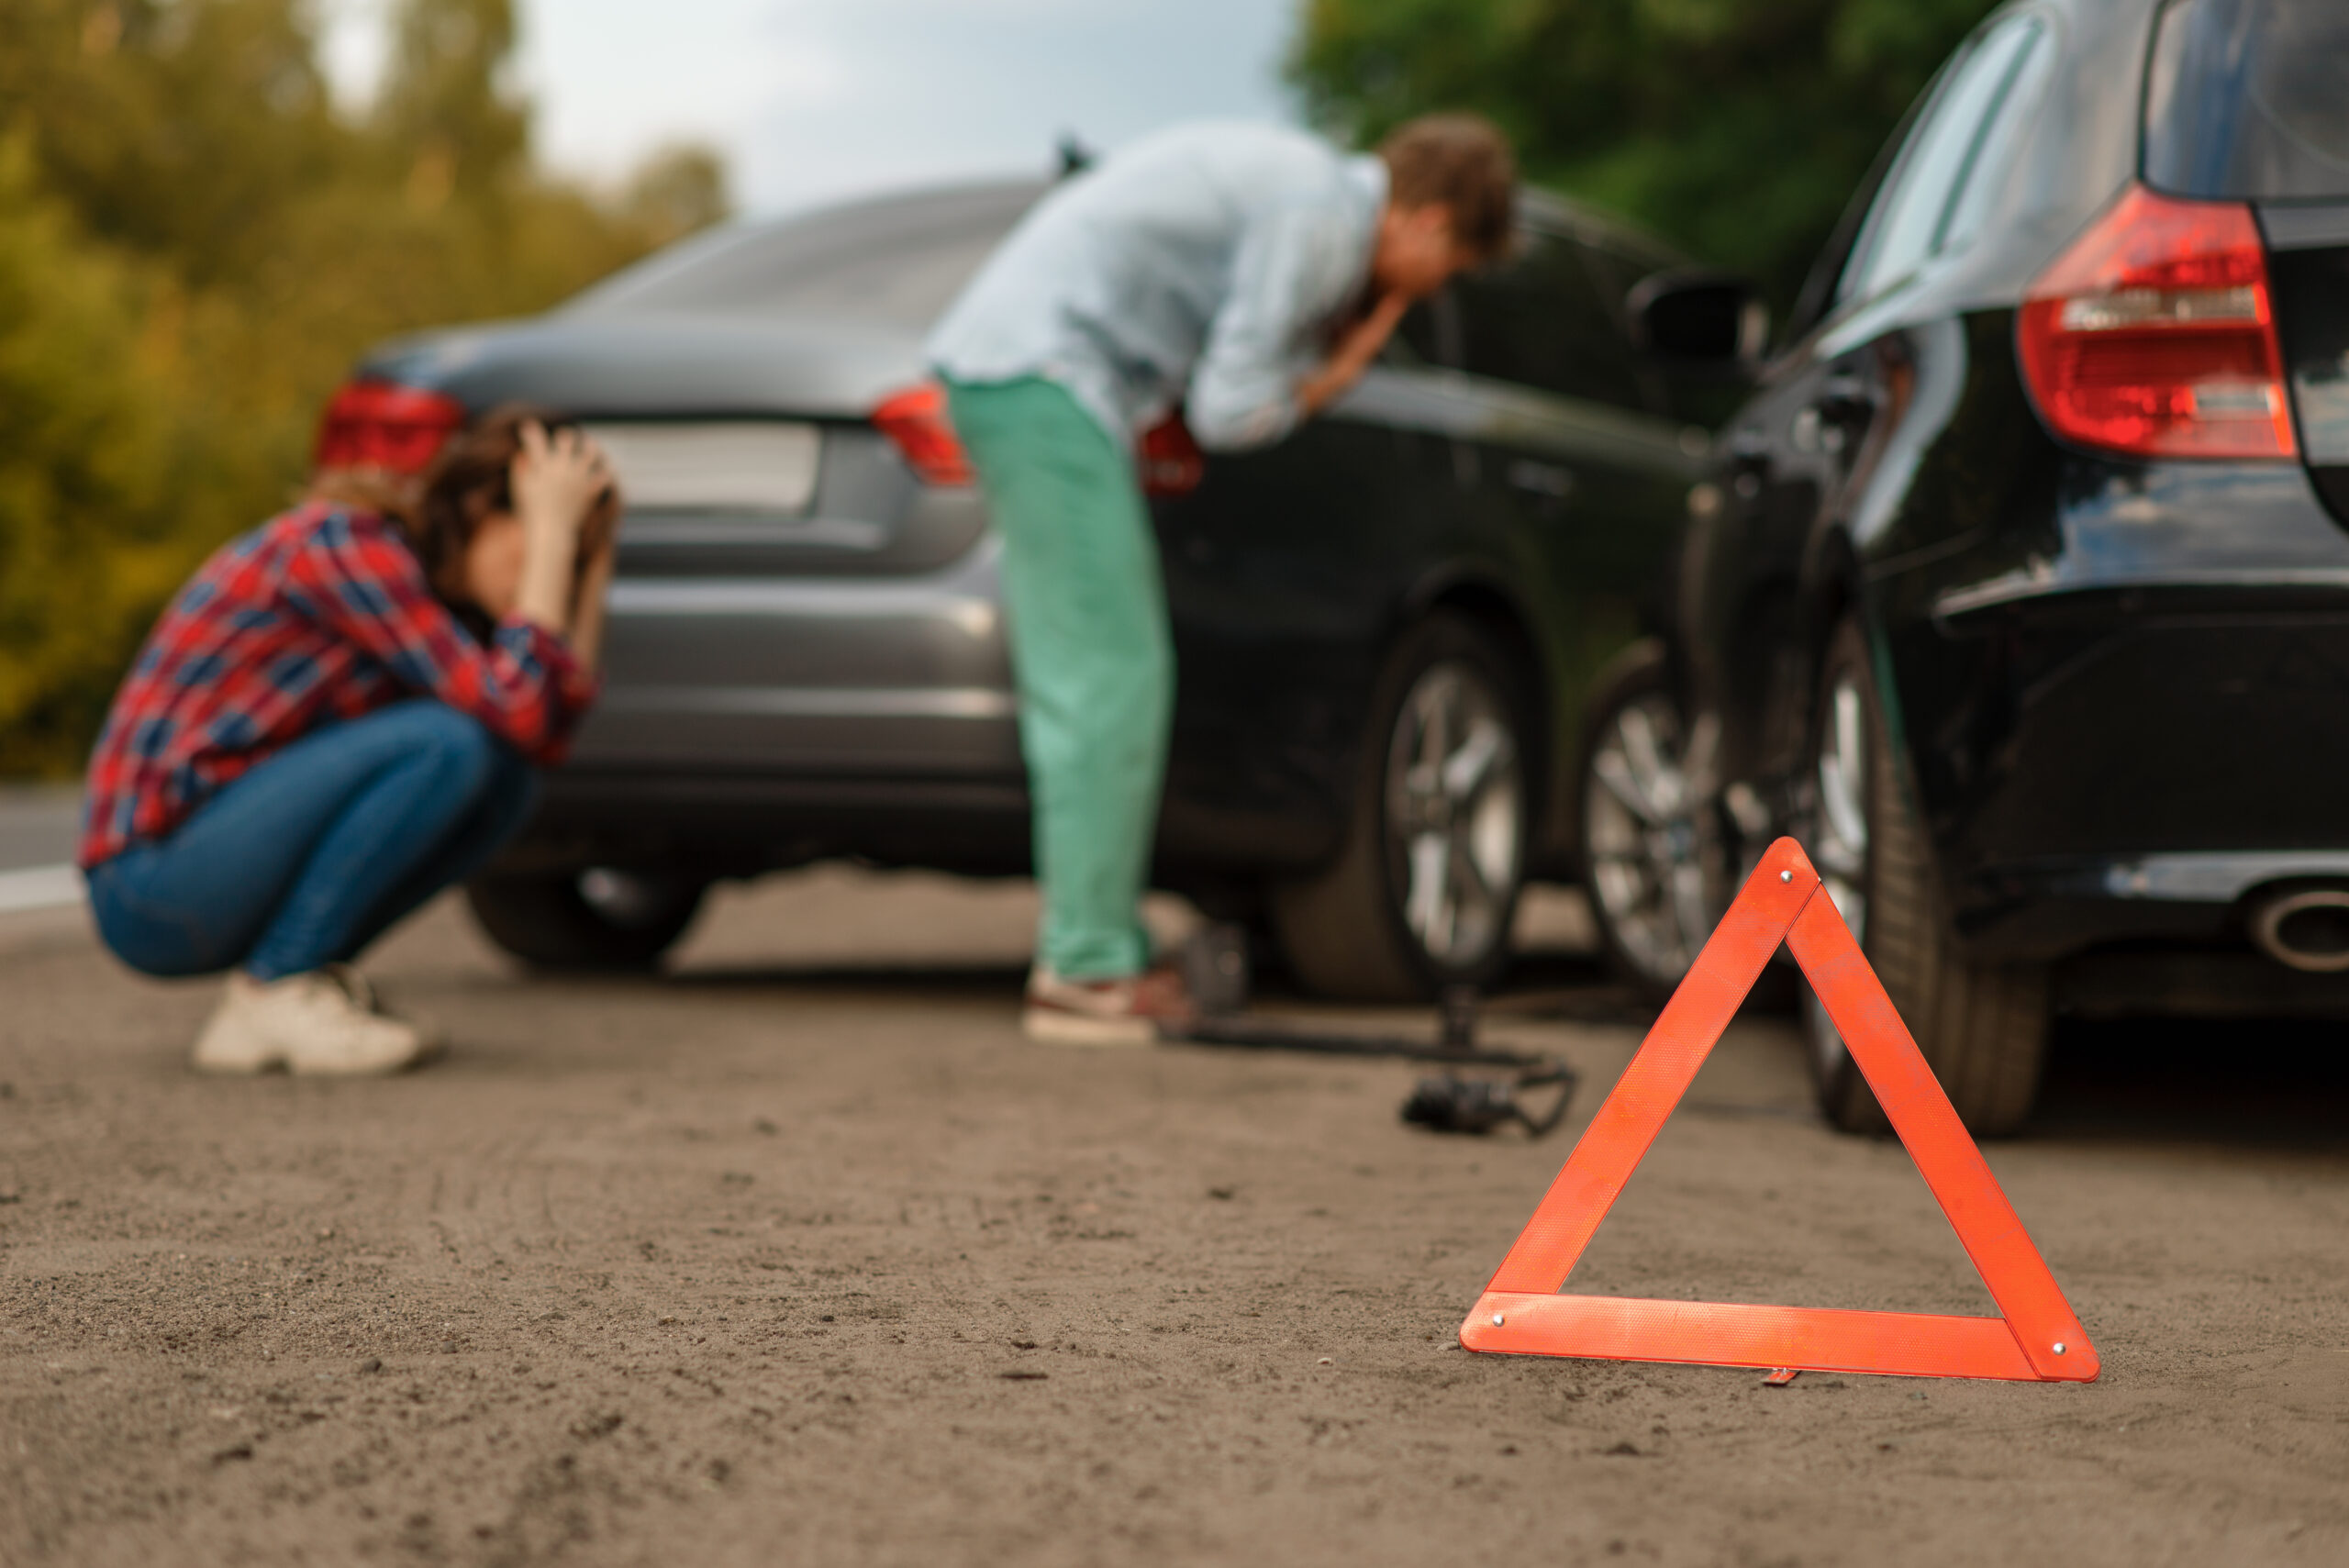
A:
[383,424]
[2154,335]
[916,423]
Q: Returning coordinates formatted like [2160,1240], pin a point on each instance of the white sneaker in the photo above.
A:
[322,1022]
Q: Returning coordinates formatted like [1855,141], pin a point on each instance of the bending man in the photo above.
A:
[1242,275]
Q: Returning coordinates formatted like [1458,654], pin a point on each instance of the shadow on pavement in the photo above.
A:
[2282,1085]
[2255,1084]
[1549,985]
[990,979]
[2259,1084]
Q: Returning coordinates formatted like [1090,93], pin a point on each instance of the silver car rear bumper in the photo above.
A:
[896,676]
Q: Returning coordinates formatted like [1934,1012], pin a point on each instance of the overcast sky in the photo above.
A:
[815,98]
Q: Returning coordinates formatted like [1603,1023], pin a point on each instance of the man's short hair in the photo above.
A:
[1464,162]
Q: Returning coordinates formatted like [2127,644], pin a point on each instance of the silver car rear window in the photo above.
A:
[897,261]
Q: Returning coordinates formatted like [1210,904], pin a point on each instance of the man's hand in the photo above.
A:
[1352,355]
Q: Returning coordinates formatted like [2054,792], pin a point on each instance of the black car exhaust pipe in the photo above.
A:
[2306,928]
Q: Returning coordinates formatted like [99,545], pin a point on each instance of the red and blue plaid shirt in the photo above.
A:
[319,615]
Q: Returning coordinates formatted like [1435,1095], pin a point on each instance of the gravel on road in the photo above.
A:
[802,1254]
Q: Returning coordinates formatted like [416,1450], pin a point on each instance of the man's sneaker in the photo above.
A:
[323,1022]
[1135,1010]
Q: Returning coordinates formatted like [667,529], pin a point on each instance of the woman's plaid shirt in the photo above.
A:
[318,616]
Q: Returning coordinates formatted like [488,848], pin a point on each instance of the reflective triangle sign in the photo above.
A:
[2034,1338]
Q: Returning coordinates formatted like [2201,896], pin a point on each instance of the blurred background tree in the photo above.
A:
[195,246]
[195,240]
[1737,128]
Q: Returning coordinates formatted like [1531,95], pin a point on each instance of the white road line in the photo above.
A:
[41,887]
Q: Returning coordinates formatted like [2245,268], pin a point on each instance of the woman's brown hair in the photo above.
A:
[469,480]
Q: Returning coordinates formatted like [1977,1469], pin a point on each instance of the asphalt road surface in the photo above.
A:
[38,824]
[37,829]
[803,1255]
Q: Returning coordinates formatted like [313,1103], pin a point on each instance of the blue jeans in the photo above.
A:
[319,849]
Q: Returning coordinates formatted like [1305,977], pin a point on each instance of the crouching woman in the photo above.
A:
[342,713]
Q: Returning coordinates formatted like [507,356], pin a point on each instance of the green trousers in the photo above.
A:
[1090,654]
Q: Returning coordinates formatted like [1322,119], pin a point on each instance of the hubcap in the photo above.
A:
[1644,840]
[1455,814]
[1838,835]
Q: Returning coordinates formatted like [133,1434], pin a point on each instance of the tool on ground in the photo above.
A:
[1216,966]
[2036,1337]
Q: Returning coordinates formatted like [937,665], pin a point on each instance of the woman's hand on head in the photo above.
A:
[558,480]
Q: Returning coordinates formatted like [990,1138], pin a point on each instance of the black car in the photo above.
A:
[1387,627]
[2020,593]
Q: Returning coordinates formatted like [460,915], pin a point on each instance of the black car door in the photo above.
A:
[1283,570]
[1572,459]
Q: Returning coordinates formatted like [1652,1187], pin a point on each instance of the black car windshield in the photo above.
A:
[897,261]
[2249,101]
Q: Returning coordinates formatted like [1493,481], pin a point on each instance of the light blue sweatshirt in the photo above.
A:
[1198,268]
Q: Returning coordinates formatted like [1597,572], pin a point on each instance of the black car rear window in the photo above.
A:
[2249,100]
[894,262]
[1547,320]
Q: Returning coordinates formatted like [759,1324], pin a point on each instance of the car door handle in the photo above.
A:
[1546,481]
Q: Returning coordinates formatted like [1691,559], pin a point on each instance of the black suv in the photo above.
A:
[2020,592]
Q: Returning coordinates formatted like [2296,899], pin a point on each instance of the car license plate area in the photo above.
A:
[737,468]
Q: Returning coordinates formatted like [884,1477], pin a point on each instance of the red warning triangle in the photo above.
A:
[2035,1338]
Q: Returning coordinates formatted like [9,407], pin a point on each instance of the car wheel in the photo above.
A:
[1424,892]
[1982,1026]
[596,918]
[1651,852]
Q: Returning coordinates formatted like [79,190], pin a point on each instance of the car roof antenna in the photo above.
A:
[1074,157]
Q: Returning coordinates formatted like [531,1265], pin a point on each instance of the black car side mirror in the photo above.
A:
[1698,320]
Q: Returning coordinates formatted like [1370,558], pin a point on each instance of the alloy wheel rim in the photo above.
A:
[1455,814]
[1643,840]
[1839,837]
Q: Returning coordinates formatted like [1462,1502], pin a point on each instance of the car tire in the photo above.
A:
[1982,1026]
[596,918]
[1652,848]
[1424,892]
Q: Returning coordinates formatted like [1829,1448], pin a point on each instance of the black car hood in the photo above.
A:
[656,365]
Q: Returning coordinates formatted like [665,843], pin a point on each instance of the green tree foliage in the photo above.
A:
[1736,127]
[444,98]
[85,464]
[195,246]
